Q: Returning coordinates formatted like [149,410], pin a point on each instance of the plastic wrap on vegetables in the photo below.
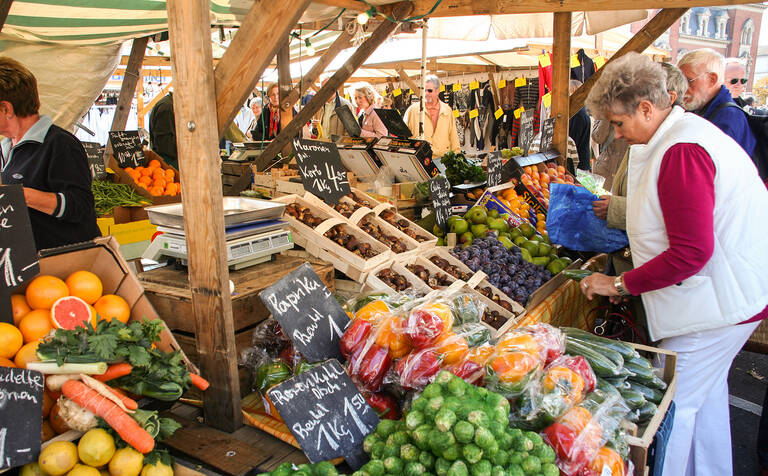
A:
[426,322]
[510,372]
[417,369]
[385,406]
[471,367]
[268,335]
[467,309]
[267,376]
[365,345]
[542,340]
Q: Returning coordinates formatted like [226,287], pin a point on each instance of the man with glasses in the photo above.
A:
[735,80]
[439,123]
[708,97]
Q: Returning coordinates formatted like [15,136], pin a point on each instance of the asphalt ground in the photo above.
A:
[747,383]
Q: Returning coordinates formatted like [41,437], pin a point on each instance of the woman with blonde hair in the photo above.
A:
[268,123]
[370,123]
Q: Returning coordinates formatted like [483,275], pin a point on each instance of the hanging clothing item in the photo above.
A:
[528,97]
[462,98]
[585,69]
[545,77]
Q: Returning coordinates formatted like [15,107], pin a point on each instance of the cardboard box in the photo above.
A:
[102,257]
[121,176]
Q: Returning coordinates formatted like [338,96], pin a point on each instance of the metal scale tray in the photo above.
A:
[237,211]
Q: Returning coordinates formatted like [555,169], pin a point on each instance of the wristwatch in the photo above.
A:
[617,283]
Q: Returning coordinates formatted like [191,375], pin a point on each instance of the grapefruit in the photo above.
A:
[35,325]
[111,306]
[45,290]
[28,353]
[85,285]
[69,312]
[20,307]
[11,340]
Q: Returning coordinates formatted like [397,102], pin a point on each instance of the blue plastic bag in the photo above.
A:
[572,223]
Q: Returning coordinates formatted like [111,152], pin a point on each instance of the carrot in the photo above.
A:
[121,422]
[199,381]
[129,403]
[114,371]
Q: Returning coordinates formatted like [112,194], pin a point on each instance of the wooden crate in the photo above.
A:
[638,445]
[121,176]
[373,283]
[235,177]
[428,243]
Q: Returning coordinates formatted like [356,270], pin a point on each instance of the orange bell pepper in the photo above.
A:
[390,335]
[451,347]
[607,457]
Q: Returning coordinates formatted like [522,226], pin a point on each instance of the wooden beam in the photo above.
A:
[432,65]
[290,130]
[250,52]
[197,139]
[407,79]
[5,7]
[495,89]
[149,61]
[451,8]
[127,88]
[353,5]
[561,74]
[284,85]
[642,40]
[342,42]
[148,107]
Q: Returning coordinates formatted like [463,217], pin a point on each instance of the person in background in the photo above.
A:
[705,69]
[735,79]
[439,123]
[256,105]
[48,161]
[330,124]
[365,98]
[696,217]
[162,130]
[268,122]
[579,128]
[387,103]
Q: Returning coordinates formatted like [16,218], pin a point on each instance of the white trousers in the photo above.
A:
[700,442]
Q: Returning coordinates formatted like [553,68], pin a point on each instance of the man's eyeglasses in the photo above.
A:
[691,80]
[736,80]
[429,90]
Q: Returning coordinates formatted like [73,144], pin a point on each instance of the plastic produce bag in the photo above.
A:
[571,222]
[592,182]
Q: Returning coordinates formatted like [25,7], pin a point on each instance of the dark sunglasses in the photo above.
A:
[736,80]
[429,90]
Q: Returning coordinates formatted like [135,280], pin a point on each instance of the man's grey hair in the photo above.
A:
[626,82]
[676,81]
[711,60]
[431,78]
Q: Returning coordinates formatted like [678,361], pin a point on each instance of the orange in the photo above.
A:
[20,307]
[85,285]
[156,191]
[145,179]
[154,163]
[111,306]
[159,182]
[145,172]
[11,340]
[158,173]
[48,402]
[6,362]
[35,325]
[70,312]
[169,174]
[44,290]
[28,353]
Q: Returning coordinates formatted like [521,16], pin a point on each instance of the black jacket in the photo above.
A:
[162,130]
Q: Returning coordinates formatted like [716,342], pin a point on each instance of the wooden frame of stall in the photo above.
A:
[207,99]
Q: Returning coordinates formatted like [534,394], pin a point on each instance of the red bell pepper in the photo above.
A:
[572,455]
[423,327]
[580,365]
[417,368]
[354,337]
[469,371]
[384,405]
[368,369]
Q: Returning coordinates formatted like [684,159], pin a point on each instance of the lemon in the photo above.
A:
[96,447]
[157,469]
[58,458]
[83,470]
[126,462]
[31,469]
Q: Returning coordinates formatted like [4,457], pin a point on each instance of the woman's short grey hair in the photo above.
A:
[711,60]
[431,78]
[626,82]
[367,90]
[676,81]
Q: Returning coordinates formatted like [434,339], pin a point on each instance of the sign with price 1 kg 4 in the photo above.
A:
[321,170]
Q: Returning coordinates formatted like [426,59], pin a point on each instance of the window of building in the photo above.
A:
[746,32]
[685,23]
[703,23]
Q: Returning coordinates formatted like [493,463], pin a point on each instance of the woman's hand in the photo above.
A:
[600,207]
[598,284]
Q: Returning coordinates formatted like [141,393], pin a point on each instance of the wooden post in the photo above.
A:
[284,85]
[128,88]
[561,73]
[5,7]
[250,53]
[403,76]
[642,40]
[290,130]
[140,99]
[197,139]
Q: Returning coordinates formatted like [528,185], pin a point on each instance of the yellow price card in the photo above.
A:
[473,113]
[599,62]
[456,87]
[499,112]
[442,88]
[544,60]
[502,83]
[474,85]
[520,82]
[546,100]
[456,113]
[519,112]
[575,61]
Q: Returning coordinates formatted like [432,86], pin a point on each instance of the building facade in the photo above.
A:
[732,31]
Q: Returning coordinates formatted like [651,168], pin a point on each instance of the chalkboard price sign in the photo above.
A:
[308,313]
[18,254]
[326,413]
[526,131]
[95,155]
[321,170]
[439,191]
[547,132]
[126,146]
[21,408]
[494,168]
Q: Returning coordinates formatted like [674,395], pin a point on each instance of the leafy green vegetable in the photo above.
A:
[459,170]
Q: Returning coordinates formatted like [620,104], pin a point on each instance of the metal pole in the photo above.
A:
[423,83]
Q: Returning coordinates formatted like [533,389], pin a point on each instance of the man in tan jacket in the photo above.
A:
[439,123]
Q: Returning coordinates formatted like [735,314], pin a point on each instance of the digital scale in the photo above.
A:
[254,232]
[247,151]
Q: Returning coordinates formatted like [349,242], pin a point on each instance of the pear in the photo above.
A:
[459,226]
[506,242]
[479,230]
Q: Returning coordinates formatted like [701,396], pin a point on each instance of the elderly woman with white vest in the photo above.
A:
[697,216]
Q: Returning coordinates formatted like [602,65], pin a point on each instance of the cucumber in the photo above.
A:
[611,354]
[616,382]
[626,350]
[601,365]
[642,375]
[646,412]
[656,383]
[605,386]
[640,362]
[650,394]
[633,398]
[577,274]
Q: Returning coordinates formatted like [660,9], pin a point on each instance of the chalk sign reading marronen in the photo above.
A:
[21,408]
[326,413]
[322,172]
[308,313]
